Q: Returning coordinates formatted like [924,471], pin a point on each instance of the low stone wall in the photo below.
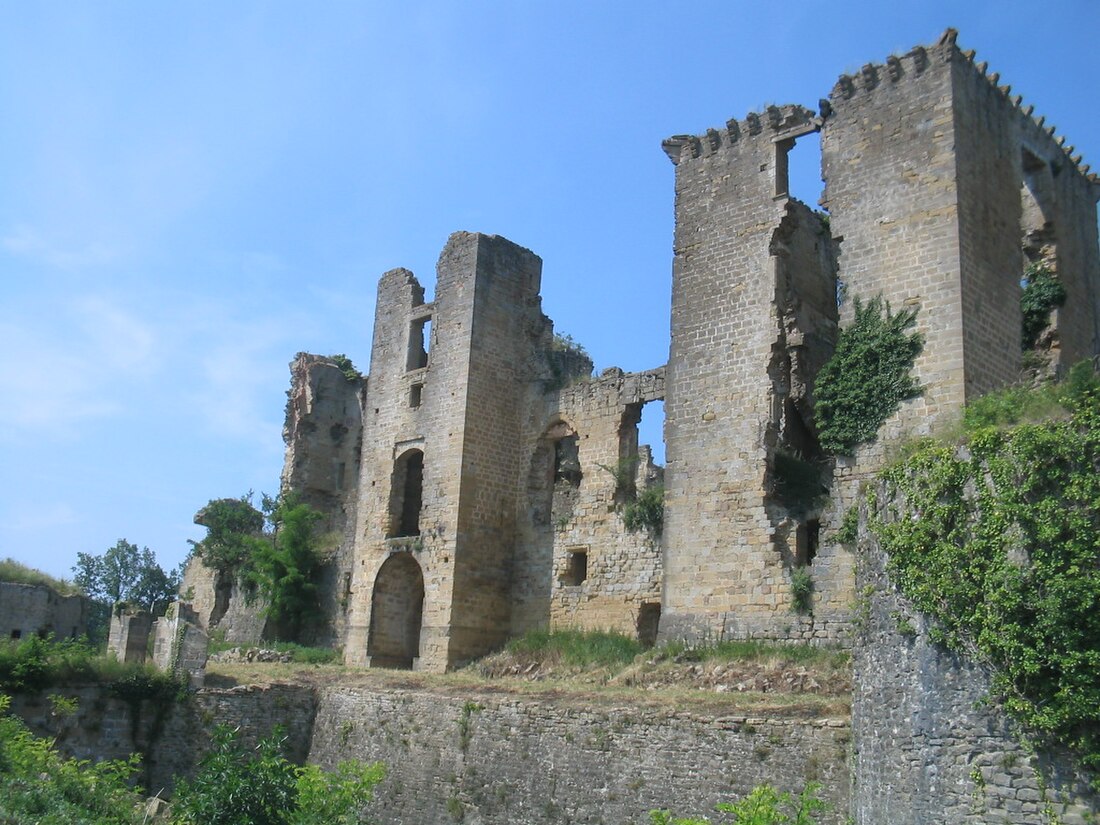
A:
[495,759]
[475,758]
[931,744]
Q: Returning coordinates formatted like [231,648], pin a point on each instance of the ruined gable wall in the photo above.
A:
[556,521]
[724,565]
[323,435]
[30,609]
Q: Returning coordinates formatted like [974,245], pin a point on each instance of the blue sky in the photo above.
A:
[192,193]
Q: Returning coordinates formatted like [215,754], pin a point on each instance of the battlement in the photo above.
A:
[775,123]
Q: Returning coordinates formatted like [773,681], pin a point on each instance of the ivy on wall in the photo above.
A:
[1000,545]
[1042,293]
[867,377]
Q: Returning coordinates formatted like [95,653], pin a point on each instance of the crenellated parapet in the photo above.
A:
[899,69]
[774,123]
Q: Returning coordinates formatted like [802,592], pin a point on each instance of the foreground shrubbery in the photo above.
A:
[763,806]
[39,786]
[236,785]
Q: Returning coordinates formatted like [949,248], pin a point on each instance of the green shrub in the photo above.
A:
[38,785]
[343,363]
[848,533]
[1019,405]
[647,511]
[762,806]
[1004,558]
[797,483]
[802,590]
[1042,292]
[260,786]
[867,377]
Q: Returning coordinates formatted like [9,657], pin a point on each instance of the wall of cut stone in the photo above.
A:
[931,744]
[749,268]
[505,759]
[576,564]
[31,609]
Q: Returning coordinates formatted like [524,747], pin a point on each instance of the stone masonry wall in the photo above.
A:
[740,245]
[558,520]
[930,744]
[492,759]
[504,759]
[323,434]
[29,609]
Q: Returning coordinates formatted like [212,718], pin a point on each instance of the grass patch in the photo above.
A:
[19,573]
[576,648]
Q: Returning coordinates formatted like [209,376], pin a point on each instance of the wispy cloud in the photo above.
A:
[29,243]
[60,365]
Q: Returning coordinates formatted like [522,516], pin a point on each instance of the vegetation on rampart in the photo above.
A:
[999,542]
[764,805]
[1042,293]
[18,573]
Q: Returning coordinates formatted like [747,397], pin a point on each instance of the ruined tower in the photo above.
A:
[441,457]
[940,191]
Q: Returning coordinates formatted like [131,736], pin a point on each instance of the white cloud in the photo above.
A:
[26,242]
[62,365]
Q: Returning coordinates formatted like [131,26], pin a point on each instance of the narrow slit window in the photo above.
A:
[415,395]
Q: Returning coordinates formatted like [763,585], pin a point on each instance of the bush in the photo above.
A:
[867,377]
[1042,293]
[38,785]
[647,511]
[762,806]
[236,785]
[802,590]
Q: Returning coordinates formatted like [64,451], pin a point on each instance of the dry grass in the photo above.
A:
[790,681]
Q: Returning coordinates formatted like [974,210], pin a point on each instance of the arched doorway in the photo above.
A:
[397,608]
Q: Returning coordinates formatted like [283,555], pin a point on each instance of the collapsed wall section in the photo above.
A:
[753,311]
[323,433]
[577,564]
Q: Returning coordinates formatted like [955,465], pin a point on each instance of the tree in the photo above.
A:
[233,526]
[126,574]
[286,564]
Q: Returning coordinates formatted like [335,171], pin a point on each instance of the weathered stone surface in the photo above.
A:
[30,609]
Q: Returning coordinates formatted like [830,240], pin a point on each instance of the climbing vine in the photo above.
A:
[1000,544]
[1042,293]
[868,376]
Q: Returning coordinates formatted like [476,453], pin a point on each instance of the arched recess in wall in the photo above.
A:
[397,610]
[554,476]
[406,494]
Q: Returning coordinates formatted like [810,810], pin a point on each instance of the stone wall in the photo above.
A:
[323,432]
[33,609]
[221,606]
[753,318]
[931,744]
[170,737]
[480,758]
[576,564]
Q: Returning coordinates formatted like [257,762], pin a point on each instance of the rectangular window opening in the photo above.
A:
[415,395]
[806,541]
[576,570]
[420,342]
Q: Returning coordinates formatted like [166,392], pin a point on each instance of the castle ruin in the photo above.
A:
[479,474]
